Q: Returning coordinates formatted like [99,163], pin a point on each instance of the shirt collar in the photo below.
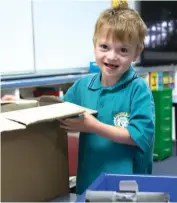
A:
[95,82]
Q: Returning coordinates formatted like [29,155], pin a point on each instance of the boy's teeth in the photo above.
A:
[111,65]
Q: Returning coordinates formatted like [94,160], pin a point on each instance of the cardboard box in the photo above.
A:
[17,105]
[34,153]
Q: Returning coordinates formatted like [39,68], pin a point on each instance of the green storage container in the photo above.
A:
[163,125]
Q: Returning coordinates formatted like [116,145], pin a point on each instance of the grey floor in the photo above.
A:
[167,166]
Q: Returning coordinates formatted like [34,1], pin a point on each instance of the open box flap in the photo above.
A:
[90,111]
[45,113]
[8,125]
[46,100]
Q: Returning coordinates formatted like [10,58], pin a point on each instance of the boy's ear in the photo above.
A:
[138,52]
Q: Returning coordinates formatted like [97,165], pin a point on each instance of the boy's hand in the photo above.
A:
[87,123]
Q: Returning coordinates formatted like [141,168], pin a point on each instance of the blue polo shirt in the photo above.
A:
[128,104]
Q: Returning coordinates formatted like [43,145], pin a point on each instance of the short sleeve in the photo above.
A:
[142,117]
[70,95]
[73,93]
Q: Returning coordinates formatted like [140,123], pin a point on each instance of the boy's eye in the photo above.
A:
[124,50]
[103,46]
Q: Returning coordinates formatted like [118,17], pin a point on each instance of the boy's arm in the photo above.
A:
[120,135]
[140,130]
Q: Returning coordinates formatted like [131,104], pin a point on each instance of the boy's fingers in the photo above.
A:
[75,120]
[67,128]
[63,126]
[70,121]
[61,121]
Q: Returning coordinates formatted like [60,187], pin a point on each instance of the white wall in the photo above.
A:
[48,35]
[16,37]
[63,32]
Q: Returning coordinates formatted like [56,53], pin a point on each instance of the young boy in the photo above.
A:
[119,139]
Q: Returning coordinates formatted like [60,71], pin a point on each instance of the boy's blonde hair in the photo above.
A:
[121,23]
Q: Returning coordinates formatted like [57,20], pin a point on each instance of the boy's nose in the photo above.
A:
[112,56]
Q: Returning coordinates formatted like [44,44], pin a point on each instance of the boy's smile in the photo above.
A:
[111,66]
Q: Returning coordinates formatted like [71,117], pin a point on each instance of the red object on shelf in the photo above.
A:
[38,93]
[73,142]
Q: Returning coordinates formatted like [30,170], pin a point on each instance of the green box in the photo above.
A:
[163,123]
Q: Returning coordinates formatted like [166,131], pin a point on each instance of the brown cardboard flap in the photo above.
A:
[8,125]
[90,111]
[47,100]
[44,113]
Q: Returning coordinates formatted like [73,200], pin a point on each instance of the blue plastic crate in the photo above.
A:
[110,182]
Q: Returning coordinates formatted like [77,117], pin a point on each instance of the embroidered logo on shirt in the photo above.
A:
[121,119]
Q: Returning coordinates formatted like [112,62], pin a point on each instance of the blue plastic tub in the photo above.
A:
[110,182]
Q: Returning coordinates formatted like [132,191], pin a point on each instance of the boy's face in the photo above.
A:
[114,57]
